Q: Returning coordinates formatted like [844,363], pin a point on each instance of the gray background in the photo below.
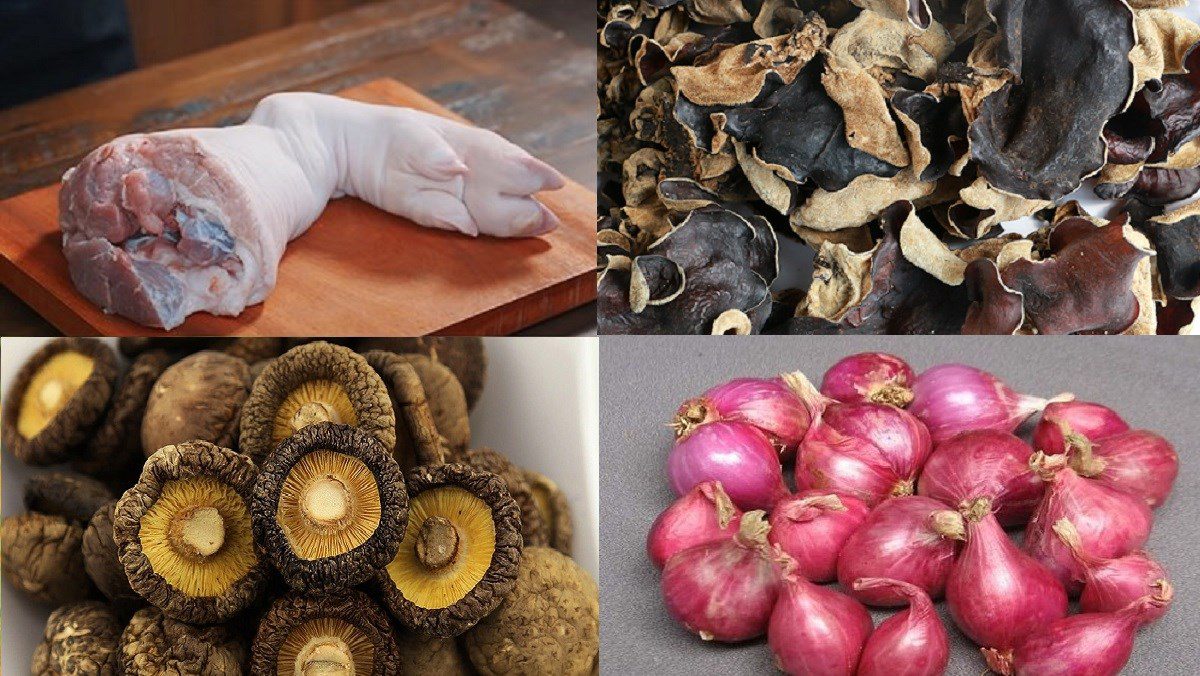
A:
[1152,382]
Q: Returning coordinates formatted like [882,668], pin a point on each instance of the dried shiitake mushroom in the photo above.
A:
[439,390]
[42,557]
[533,529]
[554,509]
[71,496]
[251,350]
[113,454]
[81,638]
[199,397]
[550,623]
[154,644]
[420,654]
[312,383]
[184,533]
[342,632]
[465,356]
[329,507]
[103,564]
[459,554]
[57,398]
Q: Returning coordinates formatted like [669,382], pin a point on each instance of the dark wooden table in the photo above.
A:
[490,63]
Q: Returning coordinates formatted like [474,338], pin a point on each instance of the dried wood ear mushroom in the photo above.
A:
[550,623]
[533,529]
[465,356]
[554,509]
[440,391]
[184,533]
[71,496]
[330,507]
[113,453]
[420,654]
[342,632]
[313,383]
[154,644]
[81,638]
[42,556]
[459,554]
[56,400]
[199,397]
[103,564]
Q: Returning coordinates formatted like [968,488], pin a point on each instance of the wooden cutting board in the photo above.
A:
[357,271]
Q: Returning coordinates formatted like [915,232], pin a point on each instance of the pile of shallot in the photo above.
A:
[904,485]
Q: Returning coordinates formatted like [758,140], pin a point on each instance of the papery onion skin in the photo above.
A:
[984,464]
[1137,461]
[704,514]
[1112,584]
[911,539]
[998,594]
[954,398]
[737,454]
[725,590]
[912,642]
[1091,644]
[812,526]
[782,407]
[1091,420]
[815,630]
[1110,522]
[874,377]
[869,451]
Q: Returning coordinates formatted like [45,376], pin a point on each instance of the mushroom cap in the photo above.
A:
[42,556]
[533,529]
[351,567]
[550,623]
[555,510]
[103,565]
[443,393]
[319,361]
[61,438]
[420,654]
[194,460]
[465,356]
[80,638]
[71,496]
[497,580]
[339,608]
[200,397]
[154,644]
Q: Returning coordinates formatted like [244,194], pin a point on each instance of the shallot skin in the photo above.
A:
[770,404]
[1091,420]
[984,464]
[737,454]
[870,451]
[912,642]
[704,514]
[1112,584]
[1087,644]
[1138,461]
[998,594]
[870,377]
[816,631]
[954,398]
[911,539]
[813,526]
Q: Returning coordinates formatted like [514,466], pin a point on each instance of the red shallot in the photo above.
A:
[911,539]
[912,642]
[954,398]
[1090,420]
[782,407]
[875,377]
[812,526]
[984,464]
[997,594]
[1138,461]
[870,451]
[816,631]
[1095,644]
[737,454]
[725,590]
[1110,522]
[704,514]
[1112,584]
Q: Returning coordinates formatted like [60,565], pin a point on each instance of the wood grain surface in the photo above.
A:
[357,271]
[496,66]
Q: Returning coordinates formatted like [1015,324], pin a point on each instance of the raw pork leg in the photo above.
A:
[158,226]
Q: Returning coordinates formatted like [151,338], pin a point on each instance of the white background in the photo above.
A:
[539,407]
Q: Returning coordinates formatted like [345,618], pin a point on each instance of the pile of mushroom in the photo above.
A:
[271,506]
[895,139]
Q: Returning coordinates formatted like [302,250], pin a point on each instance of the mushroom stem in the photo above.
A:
[410,393]
[199,532]
[325,656]
[437,543]
[52,396]
[326,502]
[313,412]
